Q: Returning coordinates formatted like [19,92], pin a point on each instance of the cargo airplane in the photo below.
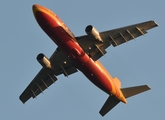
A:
[82,53]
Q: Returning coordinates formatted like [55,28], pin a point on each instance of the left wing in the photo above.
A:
[96,49]
[60,63]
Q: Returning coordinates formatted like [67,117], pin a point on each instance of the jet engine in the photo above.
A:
[44,61]
[93,33]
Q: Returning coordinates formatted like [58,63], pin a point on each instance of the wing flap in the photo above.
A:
[125,36]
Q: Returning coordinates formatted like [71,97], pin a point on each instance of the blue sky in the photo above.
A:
[135,63]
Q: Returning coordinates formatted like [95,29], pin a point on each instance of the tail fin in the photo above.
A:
[131,91]
[117,82]
[112,101]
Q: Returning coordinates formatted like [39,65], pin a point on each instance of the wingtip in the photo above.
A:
[23,100]
[149,88]
[156,25]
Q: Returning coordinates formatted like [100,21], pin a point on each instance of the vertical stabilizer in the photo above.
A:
[117,82]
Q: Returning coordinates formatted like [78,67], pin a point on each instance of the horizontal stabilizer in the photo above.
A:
[131,91]
[112,101]
[108,105]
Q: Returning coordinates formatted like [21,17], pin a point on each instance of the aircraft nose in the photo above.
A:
[36,8]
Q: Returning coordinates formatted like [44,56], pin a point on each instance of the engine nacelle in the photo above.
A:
[44,61]
[93,33]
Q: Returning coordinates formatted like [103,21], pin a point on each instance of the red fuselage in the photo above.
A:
[66,41]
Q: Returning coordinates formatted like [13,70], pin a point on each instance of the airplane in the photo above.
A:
[82,53]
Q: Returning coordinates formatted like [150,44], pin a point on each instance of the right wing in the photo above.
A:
[61,64]
[96,49]
[125,34]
